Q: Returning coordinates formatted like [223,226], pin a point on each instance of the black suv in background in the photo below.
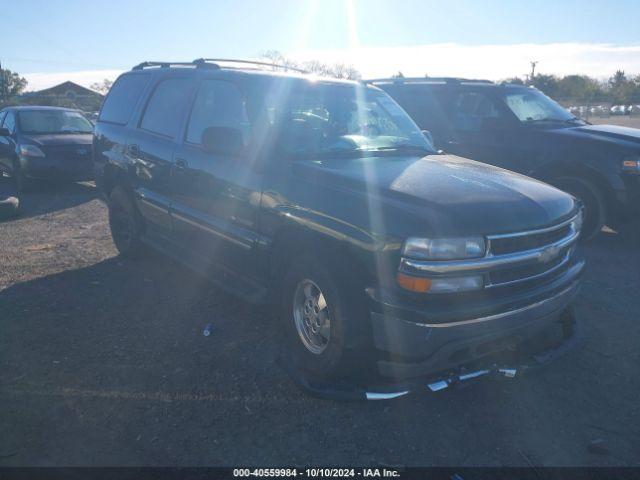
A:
[45,143]
[519,128]
[323,197]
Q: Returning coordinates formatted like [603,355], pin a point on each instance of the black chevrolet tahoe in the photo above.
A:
[519,128]
[322,197]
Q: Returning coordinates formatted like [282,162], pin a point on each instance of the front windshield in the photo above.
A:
[53,122]
[322,119]
[533,106]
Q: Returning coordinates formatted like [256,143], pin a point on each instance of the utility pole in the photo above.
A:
[533,70]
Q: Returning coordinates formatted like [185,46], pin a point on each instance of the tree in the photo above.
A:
[514,81]
[337,70]
[11,83]
[102,87]
[547,84]
[398,75]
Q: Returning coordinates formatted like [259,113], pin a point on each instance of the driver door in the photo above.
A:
[216,196]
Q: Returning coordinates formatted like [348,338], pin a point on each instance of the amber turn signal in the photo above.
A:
[413,284]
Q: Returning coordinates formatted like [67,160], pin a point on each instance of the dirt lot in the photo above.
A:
[103,362]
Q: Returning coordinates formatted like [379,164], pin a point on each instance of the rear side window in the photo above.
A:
[166,106]
[122,98]
[218,104]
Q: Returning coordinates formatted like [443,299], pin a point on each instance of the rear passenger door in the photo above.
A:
[150,148]
[215,196]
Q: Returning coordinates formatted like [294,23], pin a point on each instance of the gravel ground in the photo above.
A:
[103,362]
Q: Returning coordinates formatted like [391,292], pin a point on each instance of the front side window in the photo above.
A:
[471,111]
[217,104]
[341,119]
[53,122]
[166,107]
[534,106]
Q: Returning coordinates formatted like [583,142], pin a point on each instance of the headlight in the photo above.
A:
[631,165]
[444,248]
[30,151]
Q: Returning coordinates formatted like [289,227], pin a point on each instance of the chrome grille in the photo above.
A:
[513,258]
[554,244]
[519,243]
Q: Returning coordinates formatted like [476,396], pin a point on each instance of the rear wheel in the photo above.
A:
[325,318]
[125,223]
[593,201]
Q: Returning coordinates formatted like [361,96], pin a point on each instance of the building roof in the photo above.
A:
[64,87]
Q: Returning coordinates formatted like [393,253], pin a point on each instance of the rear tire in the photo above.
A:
[125,223]
[594,205]
[325,317]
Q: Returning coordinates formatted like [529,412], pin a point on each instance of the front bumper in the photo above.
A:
[48,169]
[416,340]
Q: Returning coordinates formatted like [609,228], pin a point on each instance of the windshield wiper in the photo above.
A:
[401,148]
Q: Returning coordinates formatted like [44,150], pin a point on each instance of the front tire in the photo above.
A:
[325,318]
[125,223]
[594,205]
[22,183]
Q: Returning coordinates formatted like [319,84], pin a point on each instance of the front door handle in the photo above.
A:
[133,150]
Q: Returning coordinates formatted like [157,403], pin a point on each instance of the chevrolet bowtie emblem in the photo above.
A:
[548,254]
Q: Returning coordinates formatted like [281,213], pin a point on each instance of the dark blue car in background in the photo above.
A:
[45,143]
[521,129]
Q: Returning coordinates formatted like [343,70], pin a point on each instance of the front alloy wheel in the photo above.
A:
[311,316]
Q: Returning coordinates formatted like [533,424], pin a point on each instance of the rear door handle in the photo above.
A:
[181,164]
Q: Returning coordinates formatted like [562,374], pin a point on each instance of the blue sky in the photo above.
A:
[46,40]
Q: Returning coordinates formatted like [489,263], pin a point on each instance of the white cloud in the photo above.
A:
[492,62]
[39,81]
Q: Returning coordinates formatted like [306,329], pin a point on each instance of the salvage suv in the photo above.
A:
[323,197]
[521,129]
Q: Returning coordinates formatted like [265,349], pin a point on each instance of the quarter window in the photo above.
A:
[218,104]
[10,122]
[166,107]
[122,98]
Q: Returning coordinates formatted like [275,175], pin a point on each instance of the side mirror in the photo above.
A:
[4,132]
[222,140]
[428,136]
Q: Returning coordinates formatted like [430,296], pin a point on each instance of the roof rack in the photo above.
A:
[144,65]
[212,61]
[449,80]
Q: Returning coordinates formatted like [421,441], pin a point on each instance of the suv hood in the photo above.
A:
[442,195]
[622,136]
[59,139]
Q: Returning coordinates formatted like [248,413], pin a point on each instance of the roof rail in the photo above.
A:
[451,80]
[144,65]
[212,61]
